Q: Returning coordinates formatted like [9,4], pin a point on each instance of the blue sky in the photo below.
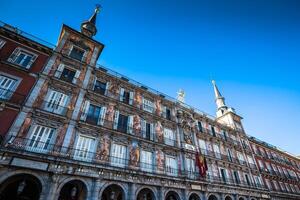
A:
[250,47]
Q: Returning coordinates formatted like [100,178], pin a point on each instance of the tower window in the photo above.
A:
[77,53]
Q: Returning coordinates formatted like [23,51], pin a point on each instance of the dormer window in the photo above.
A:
[22,57]
[77,53]
[126,96]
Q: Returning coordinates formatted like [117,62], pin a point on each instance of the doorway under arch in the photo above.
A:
[172,196]
[21,187]
[145,194]
[73,190]
[113,192]
[194,196]
[228,198]
[212,197]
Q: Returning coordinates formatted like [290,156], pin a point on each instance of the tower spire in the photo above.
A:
[88,28]
[220,100]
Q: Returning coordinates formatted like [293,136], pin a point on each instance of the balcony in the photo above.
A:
[53,107]
[67,154]
[9,96]
[102,122]
[66,77]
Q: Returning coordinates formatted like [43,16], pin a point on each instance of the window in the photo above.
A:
[229,155]
[257,181]
[247,179]
[67,75]
[22,57]
[2,43]
[190,167]
[213,132]
[122,123]
[224,133]
[84,148]
[171,165]
[275,184]
[166,113]
[202,145]
[77,53]
[40,139]
[148,105]
[236,177]
[241,158]
[268,183]
[223,175]
[169,137]
[147,129]
[126,96]
[7,87]
[217,151]
[118,155]
[100,87]
[93,115]
[146,161]
[55,102]
[200,128]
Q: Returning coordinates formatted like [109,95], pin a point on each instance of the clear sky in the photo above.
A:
[250,47]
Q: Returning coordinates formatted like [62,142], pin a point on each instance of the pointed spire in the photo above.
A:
[220,100]
[88,28]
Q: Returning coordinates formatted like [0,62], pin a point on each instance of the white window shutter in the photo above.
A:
[151,132]
[102,116]
[131,98]
[14,54]
[59,70]
[121,94]
[106,88]
[130,124]
[116,119]
[76,76]
[84,110]
[143,125]
[164,111]
[31,61]
[94,83]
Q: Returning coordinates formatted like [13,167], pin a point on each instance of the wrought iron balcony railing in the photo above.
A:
[53,107]
[36,148]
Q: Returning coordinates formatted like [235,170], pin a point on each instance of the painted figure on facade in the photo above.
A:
[137,125]
[158,106]
[110,113]
[113,90]
[134,154]
[160,160]
[138,99]
[159,132]
[103,152]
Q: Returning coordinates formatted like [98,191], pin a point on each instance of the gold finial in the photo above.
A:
[98,8]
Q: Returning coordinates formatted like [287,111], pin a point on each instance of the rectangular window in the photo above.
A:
[40,139]
[7,87]
[84,148]
[67,75]
[169,137]
[217,151]
[200,128]
[77,53]
[213,132]
[22,58]
[171,165]
[229,155]
[56,102]
[202,145]
[236,177]
[247,179]
[148,105]
[93,114]
[190,167]
[100,87]
[122,123]
[168,114]
[118,155]
[146,161]
[223,175]
[2,43]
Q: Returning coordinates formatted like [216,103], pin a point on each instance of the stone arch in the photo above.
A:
[212,197]
[242,198]
[115,189]
[145,190]
[21,186]
[229,197]
[194,196]
[73,189]
[172,195]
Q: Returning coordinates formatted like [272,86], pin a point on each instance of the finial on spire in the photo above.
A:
[88,28]
[220,101]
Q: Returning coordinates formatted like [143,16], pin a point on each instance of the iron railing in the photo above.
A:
[36,148]
[53,107]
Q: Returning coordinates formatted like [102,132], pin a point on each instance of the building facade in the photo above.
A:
[21,60]
[87,132]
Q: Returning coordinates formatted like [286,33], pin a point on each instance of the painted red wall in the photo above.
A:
[7,117]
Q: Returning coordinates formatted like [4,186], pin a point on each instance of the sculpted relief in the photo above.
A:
[137,99]
[160,160]
[103,151]
[158,107]
[109,115]
[113,89]
[137,125]
[188,125]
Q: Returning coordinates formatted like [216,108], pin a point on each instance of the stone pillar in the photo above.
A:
[50,192]
[222,196]
[131,192]
[96,189]
[203,196]
[184,195]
